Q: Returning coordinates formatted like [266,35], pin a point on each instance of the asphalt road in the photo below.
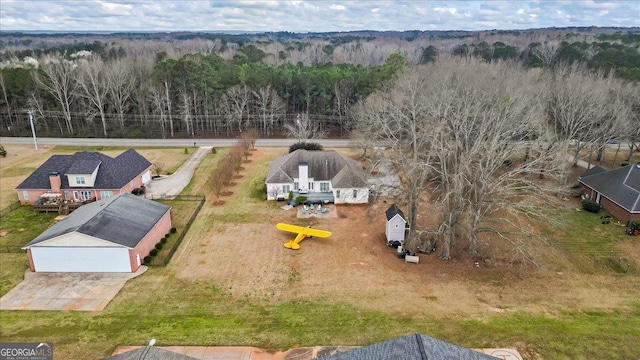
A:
[164,142]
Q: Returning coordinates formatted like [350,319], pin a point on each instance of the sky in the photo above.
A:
[311,15]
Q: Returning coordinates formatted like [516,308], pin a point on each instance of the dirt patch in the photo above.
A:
[246,161]
[226,193]
[238,176]
[219,202]
[241,250]
[4,233]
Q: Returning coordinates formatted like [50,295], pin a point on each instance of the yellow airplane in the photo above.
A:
[302,232]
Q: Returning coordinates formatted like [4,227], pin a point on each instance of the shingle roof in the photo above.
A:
[123,219]
[411,347]
[325,165]
[114,173]
[154,353]
[394,210]
[621,185]
[83,166]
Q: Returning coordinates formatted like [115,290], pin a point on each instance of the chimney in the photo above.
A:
[303,177]
[56,183]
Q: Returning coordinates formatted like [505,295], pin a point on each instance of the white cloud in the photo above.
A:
[311,15]
[444,10]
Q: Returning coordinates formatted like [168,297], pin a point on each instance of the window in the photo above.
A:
[397,226]
[80,180]
[66,195]
[311,186]
[338,193]
[295,186]
[286,188]
[324,186]
[85,195]
[106,194]
[25,195]
[355,193]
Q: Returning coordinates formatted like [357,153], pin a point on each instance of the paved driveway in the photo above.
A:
[65,291]
[170,186]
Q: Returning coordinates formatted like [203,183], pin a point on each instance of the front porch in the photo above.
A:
[316,197]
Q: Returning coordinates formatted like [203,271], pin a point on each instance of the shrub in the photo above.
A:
[257,188]
[214,151]
[147,259]
[163,240]
[290,195]
[590,205]
[173,230]
[305,145]
[153,252]
[3,152]
[159,245]
[186,150]
[300,199]
[166,235]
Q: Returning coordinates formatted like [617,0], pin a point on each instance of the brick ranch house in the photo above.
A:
[85,176]
[617,191]
[110,235]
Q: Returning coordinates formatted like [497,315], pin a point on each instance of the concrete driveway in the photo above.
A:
[66,291]
[170,186]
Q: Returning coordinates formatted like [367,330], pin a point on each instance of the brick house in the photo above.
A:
[617,191]
[84,176]
[110,235]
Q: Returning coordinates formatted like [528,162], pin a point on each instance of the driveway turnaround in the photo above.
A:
[66,291]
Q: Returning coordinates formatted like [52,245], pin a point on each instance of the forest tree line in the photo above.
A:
[192,85]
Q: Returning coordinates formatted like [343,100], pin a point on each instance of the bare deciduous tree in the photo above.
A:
[59,79]
[269,107]
[304,128]
[120,86]
[94,86]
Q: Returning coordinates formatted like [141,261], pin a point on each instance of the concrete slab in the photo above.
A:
[66,291]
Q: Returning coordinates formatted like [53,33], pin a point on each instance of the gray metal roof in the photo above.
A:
[114,173]
[394,210]
[154,353]
[621,185]
[411,347]
[324,165]
[123,219]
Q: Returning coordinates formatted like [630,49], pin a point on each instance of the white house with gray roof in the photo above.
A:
[322,176]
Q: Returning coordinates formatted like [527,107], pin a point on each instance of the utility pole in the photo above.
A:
[33,129]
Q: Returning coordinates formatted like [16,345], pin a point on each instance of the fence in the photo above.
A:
[10,208]
[163,261]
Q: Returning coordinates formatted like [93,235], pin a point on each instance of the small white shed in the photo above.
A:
[396,224]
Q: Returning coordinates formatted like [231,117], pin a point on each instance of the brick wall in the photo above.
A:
[150,240]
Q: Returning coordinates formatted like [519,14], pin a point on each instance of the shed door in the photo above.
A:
[81,259]
[146,177]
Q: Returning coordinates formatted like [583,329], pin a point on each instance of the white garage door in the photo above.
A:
[146,177]
[81,259]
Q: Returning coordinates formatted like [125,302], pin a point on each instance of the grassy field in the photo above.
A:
[573,307]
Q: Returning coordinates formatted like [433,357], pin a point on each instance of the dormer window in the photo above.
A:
[80,180]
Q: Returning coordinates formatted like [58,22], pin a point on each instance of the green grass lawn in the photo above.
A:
[23,224]
[586,242]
